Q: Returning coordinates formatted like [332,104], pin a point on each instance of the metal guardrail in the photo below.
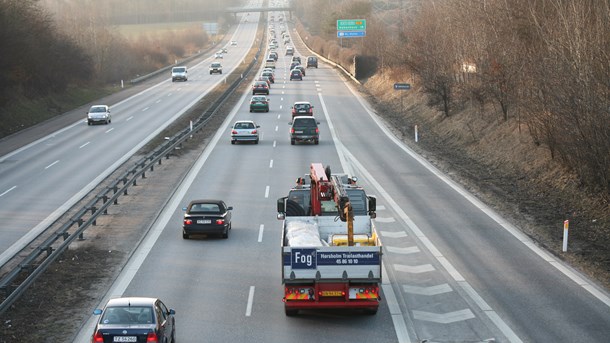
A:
[37,262]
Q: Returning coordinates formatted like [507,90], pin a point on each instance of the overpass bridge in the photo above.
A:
[237,10]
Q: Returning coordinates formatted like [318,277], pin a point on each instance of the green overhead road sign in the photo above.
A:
[351,24]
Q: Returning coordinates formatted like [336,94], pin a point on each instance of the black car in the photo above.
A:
[135,319]
[207,217]
[304,129]
[260,87]
[312,61]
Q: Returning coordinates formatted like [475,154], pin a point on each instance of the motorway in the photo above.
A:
[454,270]
[40,181]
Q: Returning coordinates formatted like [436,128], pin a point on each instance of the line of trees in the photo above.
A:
[545,63]
[36,58]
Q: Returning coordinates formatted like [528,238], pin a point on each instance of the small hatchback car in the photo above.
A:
[302,108]
[206,217]
[135,319]
[295,74]
[99,114]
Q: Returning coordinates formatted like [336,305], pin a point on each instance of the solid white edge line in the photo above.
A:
[250,301]
[579,278]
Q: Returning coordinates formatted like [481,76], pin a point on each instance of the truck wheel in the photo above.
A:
[370,311]
[290,312]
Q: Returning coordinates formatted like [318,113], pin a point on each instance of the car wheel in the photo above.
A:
[267,110]
[250,110]
[225,234]
[232,142]
[210,73]
[315,142]
[185,235]
[220,72]
[292,142]
[256,141]
[89,123]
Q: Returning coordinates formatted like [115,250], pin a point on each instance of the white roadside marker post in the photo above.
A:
[566,224]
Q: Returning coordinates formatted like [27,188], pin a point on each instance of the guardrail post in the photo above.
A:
[105,199]
[134,182]
[144,175]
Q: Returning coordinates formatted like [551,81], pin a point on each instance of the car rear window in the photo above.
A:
[305,122]
[128,315]
[205,208]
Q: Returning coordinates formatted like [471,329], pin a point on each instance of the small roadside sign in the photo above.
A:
[347,34]
[399,86]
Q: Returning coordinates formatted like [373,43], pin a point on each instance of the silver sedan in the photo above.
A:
[244,131]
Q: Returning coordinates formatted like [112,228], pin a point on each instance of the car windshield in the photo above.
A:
[215,65]
[205,208]
[302,106]
[258,98]
[296,72]
[128,315]
[179,70]
[97,109]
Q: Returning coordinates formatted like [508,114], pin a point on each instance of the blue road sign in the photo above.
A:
[348,34]
[402,86]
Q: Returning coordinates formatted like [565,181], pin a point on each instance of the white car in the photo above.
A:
[215,67]
[233,43]
[99,114]
[244,131]
[218,55]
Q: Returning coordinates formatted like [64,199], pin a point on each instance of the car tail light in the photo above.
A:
[98,337]
[233,132]
[253,132]
[188,221]
[317,130]
[152,337]
[220,221]
[291,130]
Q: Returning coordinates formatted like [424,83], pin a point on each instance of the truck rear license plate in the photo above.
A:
[204,221]
[331,293]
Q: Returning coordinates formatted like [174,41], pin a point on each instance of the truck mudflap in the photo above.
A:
[331,296]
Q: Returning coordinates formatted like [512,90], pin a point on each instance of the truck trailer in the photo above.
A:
[331,254]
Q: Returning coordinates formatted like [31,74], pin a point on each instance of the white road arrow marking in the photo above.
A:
[390,234]
[429,291]
[444,318]
[404,251]
[424,268]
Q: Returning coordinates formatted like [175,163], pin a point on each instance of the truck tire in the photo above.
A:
[370,311]
[294,209]
[290,312]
